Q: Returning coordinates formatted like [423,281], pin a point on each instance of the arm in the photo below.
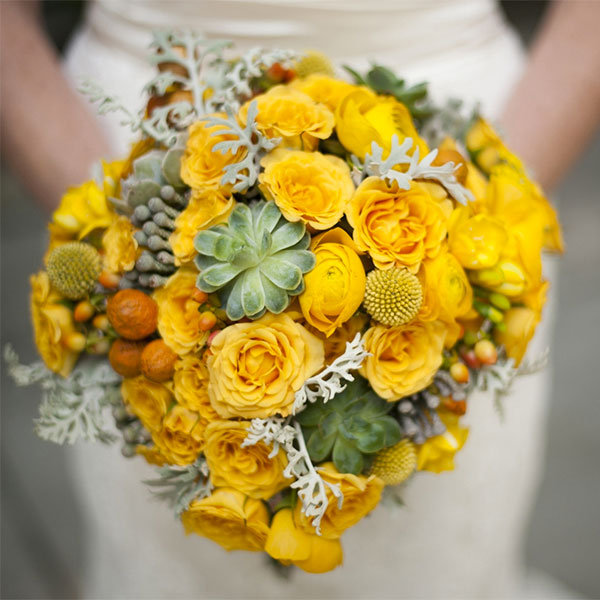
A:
[554,110]
[49,137]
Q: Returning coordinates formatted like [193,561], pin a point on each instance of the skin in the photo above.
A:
[550,118]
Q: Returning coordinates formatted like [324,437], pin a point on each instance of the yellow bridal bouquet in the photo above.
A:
[286,292]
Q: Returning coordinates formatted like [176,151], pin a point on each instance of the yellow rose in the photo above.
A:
[324,89]
[335,344]
[120,247]
[178,316]
[180,439]
[307,186]
[256,368]
[230,519]
[201,167]
[437,453]
[290,544]
[207,207]
[335,288]
[151,454]
[288,113]
[403,359]
[147,400]
[53,326]
[190,386]
[250,470]
[361,496]
[396,227]
[362,118]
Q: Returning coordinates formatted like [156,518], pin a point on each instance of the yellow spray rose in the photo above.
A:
[335,344]
[190,386]
[307,186]
[120,247]
[361,496]
[288,113]
[151,454]
[207,207]
[362,117]
[200,166]
[147,400]
[437,453]
[52,325]
[178,316]
[396,227]
[250,470]
[403,359]
[336,286]
[324,89]
[230,519]
[180,438]
[256,368]
[292,545]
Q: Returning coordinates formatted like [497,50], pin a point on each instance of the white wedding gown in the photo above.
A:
[460,534]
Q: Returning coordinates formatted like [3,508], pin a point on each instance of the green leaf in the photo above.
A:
[268,217]
[346,458]
[283,274]
[276,299]
[382,79]
[253,295]
[286,236]
[330,424]
[303,259]
[206,241]
[371,439]
[171,167]
[319,447]
[357,77]
[233,306]
[219,274]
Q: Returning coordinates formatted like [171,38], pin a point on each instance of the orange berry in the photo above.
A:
[158,361]
[458,407]
[75,341]
[125,357]
[109,280]
[83,311]
[101,322]
[459,372]
[199,296]
[207,320]
[486,352]
[133,314]
[470,359]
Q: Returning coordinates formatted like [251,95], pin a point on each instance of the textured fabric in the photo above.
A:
[460,533]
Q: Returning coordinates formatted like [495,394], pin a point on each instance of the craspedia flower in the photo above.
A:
[393,297]
[314,62]
[395,464]
[73,269]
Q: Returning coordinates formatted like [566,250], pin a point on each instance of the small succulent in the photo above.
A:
[73,269]
[256,262]
[349,428]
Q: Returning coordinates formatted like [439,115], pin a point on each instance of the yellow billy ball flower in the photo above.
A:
[314,62]
[73,269]
[395,464]
[394,296]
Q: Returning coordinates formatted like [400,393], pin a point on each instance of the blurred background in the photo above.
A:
[41,552]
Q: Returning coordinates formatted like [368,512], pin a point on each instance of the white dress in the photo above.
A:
[460,534]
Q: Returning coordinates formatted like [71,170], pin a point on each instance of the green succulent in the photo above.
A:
[256,262]
[349,428]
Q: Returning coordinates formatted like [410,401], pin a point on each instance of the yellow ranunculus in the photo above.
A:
[52,325]
[324,89]
[120,247]
[403,359]
[362,117]
[201,167]
[396,227]
[256,368]
[178,316]
[290,544]
[250,470]
[335,288]
[207,207]
[361,496]
[190,386]
[230,519]
[307,186]
[180,439]
[437,453]
[147,400]
[288,113]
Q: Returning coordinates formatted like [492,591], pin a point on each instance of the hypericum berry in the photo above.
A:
[393,297]
[470,359]
[101,322]
[73,269]
[199,296]
[75,342]
[212,336]
[84,311]
[207,320]
[395,464]
[109,280]
[486,352]
[459,372]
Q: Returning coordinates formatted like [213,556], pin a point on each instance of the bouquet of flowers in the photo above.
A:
[286,292]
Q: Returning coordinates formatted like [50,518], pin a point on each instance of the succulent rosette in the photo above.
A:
[286,293]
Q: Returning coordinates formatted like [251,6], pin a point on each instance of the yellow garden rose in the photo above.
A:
[335,344]
[250,470]
[53,325]
[151,454]
[190,386]
[120,247]
[207,207]
[307,186]
[230,519]
[180,438]
[292,545]
[335,288]
[324,89]
[178,316]
[361,496]
[403,359]
[288,113]
[147,400]
[437,453]
[396,227]
[200,166]
[256,368]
